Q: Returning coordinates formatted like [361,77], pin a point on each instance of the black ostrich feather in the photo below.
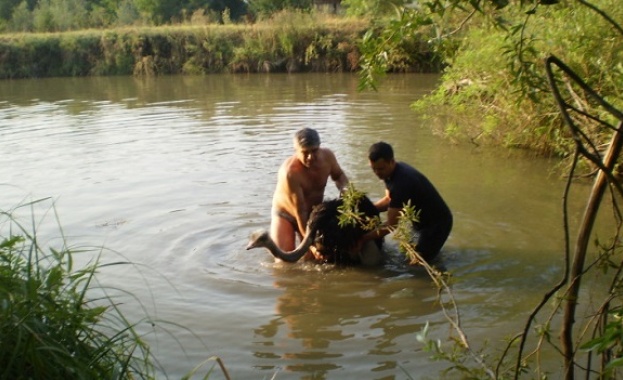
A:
[335,241]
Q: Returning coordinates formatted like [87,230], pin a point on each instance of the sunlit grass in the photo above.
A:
[286,41]
[57,321]
[278,20]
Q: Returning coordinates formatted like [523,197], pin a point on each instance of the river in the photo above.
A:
[174,174]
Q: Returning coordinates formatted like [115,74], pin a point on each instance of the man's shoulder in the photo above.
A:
[289,162]
[292,167]
[326,151]
[327,157]
[406,174]
[288,166]
[410,169]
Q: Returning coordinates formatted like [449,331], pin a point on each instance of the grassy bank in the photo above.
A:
[292,42]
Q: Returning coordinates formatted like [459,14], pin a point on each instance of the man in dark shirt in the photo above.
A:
[406,184]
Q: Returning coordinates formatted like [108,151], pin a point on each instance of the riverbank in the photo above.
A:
[299,44]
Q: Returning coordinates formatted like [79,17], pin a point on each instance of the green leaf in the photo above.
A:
[614,363]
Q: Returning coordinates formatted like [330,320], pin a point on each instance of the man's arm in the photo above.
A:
[301,206]
[383,203]
[337,174]
[342,182]
[385,228]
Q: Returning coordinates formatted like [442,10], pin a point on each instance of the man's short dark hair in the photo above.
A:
[380,150]
[307,137]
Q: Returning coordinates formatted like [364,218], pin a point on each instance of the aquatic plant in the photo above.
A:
[57,321]
[49,328]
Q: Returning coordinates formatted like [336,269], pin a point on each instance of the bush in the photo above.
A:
[496,90]
[294,41]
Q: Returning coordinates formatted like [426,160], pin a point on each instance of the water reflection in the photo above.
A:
[346,314]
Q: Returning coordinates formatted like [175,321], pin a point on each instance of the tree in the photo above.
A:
[103,13]
[502,65]
[236,8]
[371,7]
[127,13]
[159,11]
[21,20]
[6,8]
[60,15]
[266,7]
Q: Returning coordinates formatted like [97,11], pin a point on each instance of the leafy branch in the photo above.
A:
[349,214]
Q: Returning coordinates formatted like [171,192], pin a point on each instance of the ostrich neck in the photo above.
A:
[297,253]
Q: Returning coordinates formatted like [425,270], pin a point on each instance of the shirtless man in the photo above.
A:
[301,182]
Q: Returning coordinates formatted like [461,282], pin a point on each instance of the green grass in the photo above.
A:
[58,322]
[49,327]
[185,48]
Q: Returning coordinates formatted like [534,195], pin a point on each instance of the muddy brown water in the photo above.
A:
[174,174]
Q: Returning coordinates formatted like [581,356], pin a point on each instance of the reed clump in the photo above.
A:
[49,329]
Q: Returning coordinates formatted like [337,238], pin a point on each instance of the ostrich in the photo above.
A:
[333,241]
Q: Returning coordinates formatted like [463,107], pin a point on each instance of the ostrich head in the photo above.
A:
[260,239]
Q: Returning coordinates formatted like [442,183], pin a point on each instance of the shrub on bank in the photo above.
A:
[174,50]
[292,42]
[495,90]
[287,42]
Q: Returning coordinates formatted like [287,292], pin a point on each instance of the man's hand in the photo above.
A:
[316,253]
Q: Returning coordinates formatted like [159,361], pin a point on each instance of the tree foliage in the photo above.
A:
[62,15]
[493,53]
[268,7]
[542,74]
[372,8]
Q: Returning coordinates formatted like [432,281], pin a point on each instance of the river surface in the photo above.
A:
[174,174]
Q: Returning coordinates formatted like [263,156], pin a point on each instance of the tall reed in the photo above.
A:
[49,327]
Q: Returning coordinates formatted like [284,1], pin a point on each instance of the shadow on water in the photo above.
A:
[342,313]
[324,314]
